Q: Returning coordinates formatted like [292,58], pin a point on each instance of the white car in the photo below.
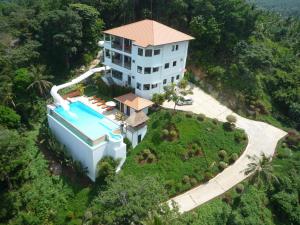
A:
[186,101]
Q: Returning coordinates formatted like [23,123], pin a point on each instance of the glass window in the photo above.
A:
[173,48]
[148,52]
[107,53]
[165,81]
[154,86]
[156,51]
[133,61]
[107,37]
[172,79]
[155,69]
[117,74]
[177,47]
[177,77]
[140,51]
[146,86]
[174,63]
[147,70]
[139,69]
[138,86]
[167,65]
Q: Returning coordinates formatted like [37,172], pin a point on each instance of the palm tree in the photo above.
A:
[7,95]
[40,80]
[261,170]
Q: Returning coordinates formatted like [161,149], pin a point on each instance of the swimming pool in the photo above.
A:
[88,121]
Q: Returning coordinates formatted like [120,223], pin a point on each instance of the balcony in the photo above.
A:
[127,62]
[117,45]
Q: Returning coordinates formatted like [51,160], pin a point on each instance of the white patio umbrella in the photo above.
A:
[111,104]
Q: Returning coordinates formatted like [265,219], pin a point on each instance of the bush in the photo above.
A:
[189,115]
[186,179]
[207,176]
[229,126]
[169,184]
[227,198]
[201,117]
[293,139]
[222,154]
[165,132]
[151,158]
[222,165]
[106,167]
[146,153]
[215,121]
[239,188]
[233,158]
[231,119]
[173,133]
[239,137]
[193,181]
[8,117]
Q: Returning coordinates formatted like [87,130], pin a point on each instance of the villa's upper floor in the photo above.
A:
[146,41]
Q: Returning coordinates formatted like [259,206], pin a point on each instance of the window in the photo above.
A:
[156,51]
[107,53]
[181,60]
[147,87]
[155,69]
[107,37]
[148,52]
[177,47]
[138,86]
[140,51]
[139,69]
[133,61]
[117,75]
[165,81]
[172,79]
[174,63]
[154,86]
[147,70]
[133,77]
[173,48]
[167,65]
[177,77]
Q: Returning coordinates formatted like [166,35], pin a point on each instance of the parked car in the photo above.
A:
[186,101]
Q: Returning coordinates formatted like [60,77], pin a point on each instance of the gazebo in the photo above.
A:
[136,127]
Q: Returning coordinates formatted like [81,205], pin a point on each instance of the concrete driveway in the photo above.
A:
[262,138]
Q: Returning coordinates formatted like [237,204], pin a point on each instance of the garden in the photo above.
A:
[184,150]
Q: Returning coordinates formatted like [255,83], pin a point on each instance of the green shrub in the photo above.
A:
[231,119]
[239,188]
[169,184]
[186,179]
[201,117]
[189,115]
[227,198]
[146,153]
[8,117]
[173,133]
[229,126]
[106,167]
[215,121]
[151,158]
[222,165]
[239,137]
[207,176]
[165,132]
[233,158]
[193,181]
[222,154]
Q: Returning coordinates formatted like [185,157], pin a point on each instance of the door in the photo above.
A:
[139,138]
[122,107]
[128,111]
[129,80]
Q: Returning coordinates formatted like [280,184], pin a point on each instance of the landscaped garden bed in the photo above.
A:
[184,150]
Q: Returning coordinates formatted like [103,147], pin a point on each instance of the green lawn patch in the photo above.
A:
[192,157]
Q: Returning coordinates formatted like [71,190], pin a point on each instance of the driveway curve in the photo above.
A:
[262,138]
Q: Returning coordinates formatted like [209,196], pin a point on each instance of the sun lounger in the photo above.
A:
[100,103]
[104,106]
[109,108]
[92,98]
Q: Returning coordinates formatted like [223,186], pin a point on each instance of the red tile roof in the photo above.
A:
[149,32]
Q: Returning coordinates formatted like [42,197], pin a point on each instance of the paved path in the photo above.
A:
[262,138]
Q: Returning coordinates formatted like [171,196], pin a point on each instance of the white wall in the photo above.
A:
[133,135]
[89,156]
[166,56]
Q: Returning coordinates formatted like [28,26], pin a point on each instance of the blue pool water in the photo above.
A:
[91,123]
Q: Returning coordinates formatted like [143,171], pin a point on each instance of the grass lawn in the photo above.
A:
[176,172]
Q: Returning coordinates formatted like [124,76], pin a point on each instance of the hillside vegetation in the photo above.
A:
[245,57]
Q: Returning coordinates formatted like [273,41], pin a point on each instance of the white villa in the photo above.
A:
[146,56]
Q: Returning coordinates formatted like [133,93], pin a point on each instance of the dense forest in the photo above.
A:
[284,7]
[247,58]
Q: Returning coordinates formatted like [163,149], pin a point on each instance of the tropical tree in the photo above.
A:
[40,80]
[158,99]
[261,170]
[176,93]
